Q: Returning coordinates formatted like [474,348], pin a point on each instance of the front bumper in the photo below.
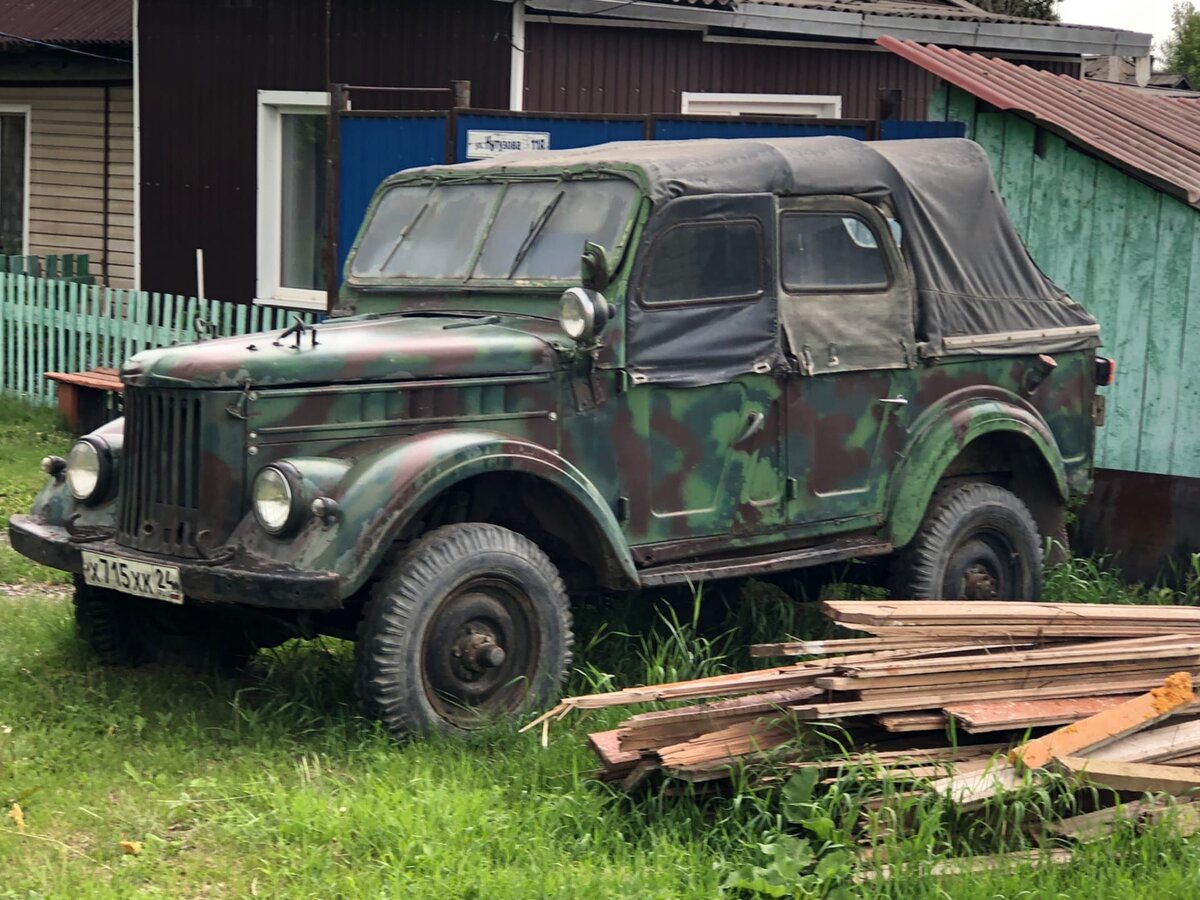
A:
[242,580]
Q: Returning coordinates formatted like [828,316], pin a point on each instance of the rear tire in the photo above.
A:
[977,542]
[124,630]
[471,624]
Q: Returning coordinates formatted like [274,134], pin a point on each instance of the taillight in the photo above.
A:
[1106,371]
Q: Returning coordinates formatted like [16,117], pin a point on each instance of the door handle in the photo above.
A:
[754,424]
[894,401]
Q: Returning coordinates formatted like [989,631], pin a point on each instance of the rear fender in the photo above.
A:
[941,435]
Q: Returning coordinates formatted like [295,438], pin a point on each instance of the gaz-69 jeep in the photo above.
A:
[774,354]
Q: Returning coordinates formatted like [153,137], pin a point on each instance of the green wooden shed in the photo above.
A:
[1103,183]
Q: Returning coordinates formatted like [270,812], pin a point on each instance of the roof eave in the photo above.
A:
[757,17]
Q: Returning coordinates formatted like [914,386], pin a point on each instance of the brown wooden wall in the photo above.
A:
[202,63]
[593,69]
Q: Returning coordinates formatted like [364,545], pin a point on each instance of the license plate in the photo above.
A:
[132,577]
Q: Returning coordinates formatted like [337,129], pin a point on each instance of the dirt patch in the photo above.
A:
[35,590]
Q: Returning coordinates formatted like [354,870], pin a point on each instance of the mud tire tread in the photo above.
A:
[400,606]
[918,572]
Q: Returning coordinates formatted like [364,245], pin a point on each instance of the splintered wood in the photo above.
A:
[906,699]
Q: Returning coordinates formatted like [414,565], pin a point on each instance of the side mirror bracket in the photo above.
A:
[594,267]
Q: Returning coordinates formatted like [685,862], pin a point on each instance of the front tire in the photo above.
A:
[977,542]
[124,630]
[470,624]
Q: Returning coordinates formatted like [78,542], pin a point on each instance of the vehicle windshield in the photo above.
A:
[529,230]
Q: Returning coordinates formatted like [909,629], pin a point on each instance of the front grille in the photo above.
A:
[161,472]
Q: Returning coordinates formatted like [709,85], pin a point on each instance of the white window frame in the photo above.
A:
[812,106]
[26,110]
[272,105]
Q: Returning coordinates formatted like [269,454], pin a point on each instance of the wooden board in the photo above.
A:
[1108,725]
[976,788]
[1137,778]
[928,720]
[1002,611]
[727,744]
[650,731]
[1160,744]
[1022,675]
[998,715]
[922,700]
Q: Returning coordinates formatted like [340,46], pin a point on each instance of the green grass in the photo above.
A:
[27,434]
[269,783]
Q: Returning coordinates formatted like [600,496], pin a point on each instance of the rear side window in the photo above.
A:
[705,261]
[830,251]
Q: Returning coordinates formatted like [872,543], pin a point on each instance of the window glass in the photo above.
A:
[547,224]
[538,230]
[705,261]
[394,213]
[440,239]
[12,184]
[830,251]
[302,196]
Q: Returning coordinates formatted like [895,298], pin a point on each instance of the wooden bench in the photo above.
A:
[83,397]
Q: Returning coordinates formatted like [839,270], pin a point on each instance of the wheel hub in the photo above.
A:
[476,651]
[979,583]
[480,651]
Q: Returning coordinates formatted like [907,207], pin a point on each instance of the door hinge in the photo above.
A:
[793,489]
[1099,410]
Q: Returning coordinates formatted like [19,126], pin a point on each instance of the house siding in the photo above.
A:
[81,195]
[604,69]
[203,62]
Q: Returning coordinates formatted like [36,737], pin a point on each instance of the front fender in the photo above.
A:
[386,487]
[942,434]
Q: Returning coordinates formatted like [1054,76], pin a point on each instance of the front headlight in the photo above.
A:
[276,501]
[582,313]
[89,469]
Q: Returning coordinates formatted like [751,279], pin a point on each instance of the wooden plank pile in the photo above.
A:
[935,690]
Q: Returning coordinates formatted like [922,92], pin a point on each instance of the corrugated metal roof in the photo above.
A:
[1152,136]
[924,9]
[67,21]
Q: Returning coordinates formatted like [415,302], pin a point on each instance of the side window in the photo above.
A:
[831,252]
[705,261]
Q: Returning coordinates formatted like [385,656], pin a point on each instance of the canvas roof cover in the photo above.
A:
[979,291]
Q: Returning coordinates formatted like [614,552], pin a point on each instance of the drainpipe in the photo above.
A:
[516,76]
[137,150]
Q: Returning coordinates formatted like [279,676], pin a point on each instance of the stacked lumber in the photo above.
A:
[925,669]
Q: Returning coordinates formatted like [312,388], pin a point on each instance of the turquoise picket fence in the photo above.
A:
[48,325]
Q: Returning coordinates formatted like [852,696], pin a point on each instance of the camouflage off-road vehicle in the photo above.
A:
[776,354]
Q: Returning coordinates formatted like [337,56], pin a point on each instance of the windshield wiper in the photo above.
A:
[535,228]
[403,234]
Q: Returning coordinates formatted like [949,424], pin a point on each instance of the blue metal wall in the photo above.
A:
[903,131]
[733,127]
[372,148]
[565,133]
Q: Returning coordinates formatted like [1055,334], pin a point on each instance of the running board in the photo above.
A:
[742,566]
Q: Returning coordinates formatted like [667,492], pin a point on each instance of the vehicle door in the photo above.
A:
[705,372]
[846,306]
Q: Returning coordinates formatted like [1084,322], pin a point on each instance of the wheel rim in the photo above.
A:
[985,566]
[480,651]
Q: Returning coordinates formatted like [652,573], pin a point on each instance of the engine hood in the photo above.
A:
[356,350]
